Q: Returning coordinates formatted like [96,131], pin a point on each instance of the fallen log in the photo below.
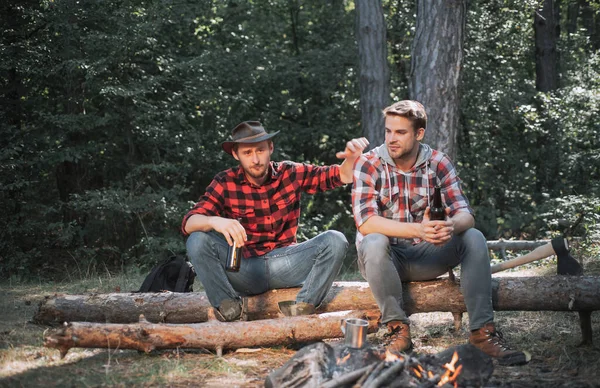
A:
[213,335]
[547,293]
[169,307]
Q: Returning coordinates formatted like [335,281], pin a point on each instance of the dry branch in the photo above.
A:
[551,293]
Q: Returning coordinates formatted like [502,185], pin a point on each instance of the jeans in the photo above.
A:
[386,266]
[313,264]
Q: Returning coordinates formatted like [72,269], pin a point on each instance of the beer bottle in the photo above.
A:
[234,258]
[436,209]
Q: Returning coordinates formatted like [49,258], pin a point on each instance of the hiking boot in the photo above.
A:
[491,342]
[229,310]
[397,337]
[298,308]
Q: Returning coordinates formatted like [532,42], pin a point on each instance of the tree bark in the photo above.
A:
[374,73]
[437,57]
[214,335]
[545,293]
[547,32]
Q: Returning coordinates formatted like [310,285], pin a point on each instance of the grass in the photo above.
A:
[551,337]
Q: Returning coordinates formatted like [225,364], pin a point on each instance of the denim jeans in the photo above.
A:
[386,266]
[313,264]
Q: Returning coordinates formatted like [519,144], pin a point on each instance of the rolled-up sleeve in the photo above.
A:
[454,197]
[318,178]
[209,204]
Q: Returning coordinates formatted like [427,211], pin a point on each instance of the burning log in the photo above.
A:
[214,335]
[370,367]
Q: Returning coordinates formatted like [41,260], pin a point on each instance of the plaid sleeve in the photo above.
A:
[209,204]
[364,191]
[452,188]
[318,178]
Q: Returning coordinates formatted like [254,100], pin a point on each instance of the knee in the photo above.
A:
[474,241]
[474,238]
[374,247]
[196,243]
[337,241]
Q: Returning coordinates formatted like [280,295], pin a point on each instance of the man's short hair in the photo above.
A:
[412,110]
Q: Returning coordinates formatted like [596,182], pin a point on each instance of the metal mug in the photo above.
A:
[355,332]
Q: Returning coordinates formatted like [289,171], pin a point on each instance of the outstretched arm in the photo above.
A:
[354,149]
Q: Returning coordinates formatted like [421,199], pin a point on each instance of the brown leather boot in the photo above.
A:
[230,310]
[491,342]
[398,337]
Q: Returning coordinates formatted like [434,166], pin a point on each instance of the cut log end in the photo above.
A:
[59,339]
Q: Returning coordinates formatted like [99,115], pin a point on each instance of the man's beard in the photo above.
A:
[398,153]
[257,174]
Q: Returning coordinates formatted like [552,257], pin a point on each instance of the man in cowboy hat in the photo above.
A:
[257,206]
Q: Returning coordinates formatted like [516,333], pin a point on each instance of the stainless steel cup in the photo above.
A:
[355,332]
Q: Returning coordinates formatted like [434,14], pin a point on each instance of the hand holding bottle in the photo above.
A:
[437,232]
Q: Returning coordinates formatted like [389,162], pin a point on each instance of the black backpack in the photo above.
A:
[175,274]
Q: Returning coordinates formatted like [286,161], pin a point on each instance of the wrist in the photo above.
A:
[210,221]
[420,230]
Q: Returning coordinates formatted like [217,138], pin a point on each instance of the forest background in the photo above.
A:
[113,112]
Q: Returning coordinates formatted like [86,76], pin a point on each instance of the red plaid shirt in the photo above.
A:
[380,188]
[270,212]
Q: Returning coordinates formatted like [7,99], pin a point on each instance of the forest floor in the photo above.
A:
[551,337]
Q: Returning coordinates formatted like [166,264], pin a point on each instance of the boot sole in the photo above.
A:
[520,358]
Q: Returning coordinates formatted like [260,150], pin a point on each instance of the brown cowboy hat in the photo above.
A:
[247,132]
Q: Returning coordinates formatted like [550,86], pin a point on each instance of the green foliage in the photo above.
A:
[120,109]
[522,152]
[113,114]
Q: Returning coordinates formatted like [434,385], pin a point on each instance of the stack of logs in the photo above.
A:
[174,320]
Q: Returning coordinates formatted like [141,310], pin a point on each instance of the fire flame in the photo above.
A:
[389,356]
[343,359]
[452,371]
[449,376]
[417,371]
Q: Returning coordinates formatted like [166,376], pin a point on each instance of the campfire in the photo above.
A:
[321,365]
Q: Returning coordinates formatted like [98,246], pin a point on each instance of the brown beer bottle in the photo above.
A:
[234,258]
[436,210]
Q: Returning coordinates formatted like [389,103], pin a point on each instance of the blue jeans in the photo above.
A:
[386,266]
[313,264]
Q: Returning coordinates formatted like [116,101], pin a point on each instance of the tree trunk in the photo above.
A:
[547,32]
[547,29]
[214,335]
[437,56]
[374,74]
[551,293]
[572,17]
[590,20]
